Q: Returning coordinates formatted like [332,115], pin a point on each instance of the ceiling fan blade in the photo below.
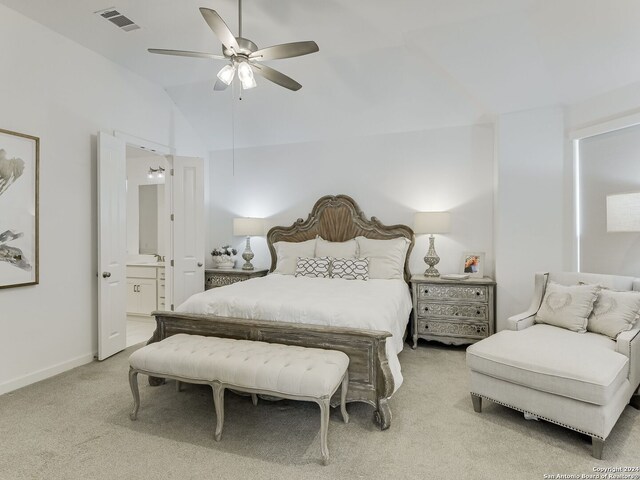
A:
[286,50]
[186,53]
[220,28]
[220,85]
[276,77]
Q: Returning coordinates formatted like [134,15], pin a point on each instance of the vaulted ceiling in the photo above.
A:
[383,66]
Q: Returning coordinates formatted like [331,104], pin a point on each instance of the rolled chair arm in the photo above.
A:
[628,344]
[521,321]
[526,319]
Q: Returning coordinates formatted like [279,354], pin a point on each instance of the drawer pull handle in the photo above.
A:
[477,312]
[426,309]
[478,293]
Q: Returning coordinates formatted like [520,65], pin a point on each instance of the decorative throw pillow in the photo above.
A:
[348,249]
[386,257]
[313,267]
[350,268]
[567,306]
[287,254]
[614,312]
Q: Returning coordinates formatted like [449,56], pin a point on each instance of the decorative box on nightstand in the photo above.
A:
[455,312]
[219,277]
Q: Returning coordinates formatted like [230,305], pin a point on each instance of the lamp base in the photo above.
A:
[247,255]
[431,259]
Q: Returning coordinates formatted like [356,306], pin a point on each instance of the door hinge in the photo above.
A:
[172,263]
[172,307]
[172,217]
[172,172]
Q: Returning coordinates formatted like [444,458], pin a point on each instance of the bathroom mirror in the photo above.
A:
[151,217]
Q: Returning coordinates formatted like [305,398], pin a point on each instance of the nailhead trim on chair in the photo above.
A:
[539,416]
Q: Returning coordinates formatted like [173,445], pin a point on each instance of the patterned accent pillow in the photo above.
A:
[567,306]
[313,267]
[614,312]
[350,268]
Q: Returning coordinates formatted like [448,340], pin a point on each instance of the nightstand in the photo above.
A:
[454,312]
[219,277]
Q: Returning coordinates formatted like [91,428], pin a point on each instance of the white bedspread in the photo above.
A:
[373,305]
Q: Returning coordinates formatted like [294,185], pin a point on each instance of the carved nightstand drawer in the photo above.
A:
[453,329]
[453,292]
[452,311]
[220,277]
[462,310]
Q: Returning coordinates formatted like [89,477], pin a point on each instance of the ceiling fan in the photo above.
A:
[244,55]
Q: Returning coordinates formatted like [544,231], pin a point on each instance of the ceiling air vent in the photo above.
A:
[118,19]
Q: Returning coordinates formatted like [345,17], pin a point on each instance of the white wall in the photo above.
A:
[390,176]
[530,207]
[63,93]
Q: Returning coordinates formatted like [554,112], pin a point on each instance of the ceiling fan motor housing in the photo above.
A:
[247,47]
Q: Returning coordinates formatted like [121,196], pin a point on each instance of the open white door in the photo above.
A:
[112,245]
[187,200]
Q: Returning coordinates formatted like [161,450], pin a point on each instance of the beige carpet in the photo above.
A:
[76,426]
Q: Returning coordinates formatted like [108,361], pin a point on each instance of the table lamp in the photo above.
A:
[430,223]
[248,227]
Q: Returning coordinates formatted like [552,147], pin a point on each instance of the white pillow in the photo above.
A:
[350,268]
[287,254]
[614,312]
[325,248]
[567,306]
[386,257]
[313,267]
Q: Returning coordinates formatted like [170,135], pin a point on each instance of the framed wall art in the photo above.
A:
[473,264]
[19,182]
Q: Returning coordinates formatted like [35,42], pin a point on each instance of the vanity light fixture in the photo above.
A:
[155,172]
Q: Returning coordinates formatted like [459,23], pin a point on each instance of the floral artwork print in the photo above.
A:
[18,209]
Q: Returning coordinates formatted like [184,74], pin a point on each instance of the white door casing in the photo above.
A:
[112,245]
[187,246]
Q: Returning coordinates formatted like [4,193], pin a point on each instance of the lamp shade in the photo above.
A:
[623,212]
[432,222]
[248,227]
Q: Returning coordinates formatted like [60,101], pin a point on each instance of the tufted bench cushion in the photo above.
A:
[298,373]
[279,368]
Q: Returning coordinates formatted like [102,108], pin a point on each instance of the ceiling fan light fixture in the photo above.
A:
[245,74]
[226,74]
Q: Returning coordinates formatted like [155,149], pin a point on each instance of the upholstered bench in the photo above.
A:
[297,373]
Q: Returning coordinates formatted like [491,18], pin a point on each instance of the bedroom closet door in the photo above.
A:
[112,245]
[187,242]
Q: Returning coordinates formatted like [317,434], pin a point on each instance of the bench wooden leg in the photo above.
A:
[178,385]
[218,403]
[343,397]
[133,382]
[254,399]
[324,428]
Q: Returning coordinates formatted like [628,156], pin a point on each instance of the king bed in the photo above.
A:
[364,319]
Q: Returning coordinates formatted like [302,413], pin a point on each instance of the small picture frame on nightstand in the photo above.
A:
[472,263]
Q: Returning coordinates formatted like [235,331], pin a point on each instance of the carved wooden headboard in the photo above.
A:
[338,218]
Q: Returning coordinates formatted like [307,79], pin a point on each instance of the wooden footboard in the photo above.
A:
[370,379]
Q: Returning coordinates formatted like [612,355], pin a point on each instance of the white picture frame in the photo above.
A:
[472,264]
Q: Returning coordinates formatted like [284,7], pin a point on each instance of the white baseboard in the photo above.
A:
[45,373]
